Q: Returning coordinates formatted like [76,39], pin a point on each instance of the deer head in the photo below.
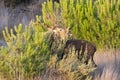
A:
[59,32]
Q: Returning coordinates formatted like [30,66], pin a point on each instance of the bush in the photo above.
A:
[72,68]
[93,20]
[26,54]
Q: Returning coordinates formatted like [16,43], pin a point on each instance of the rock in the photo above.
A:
[22,13]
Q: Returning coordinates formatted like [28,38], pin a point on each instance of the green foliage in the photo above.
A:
[26,54]
[97,21]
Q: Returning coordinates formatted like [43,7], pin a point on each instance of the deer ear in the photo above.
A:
[49,29]
[68,28]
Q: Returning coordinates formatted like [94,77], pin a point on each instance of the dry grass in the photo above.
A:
[72,69]
[108,65]
[108,68]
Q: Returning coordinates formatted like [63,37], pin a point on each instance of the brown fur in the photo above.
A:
[80,45]
[58,36]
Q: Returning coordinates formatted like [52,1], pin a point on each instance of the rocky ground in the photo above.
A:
[22,13]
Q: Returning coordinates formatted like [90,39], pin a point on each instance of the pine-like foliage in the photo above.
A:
[26,54]
[93,20]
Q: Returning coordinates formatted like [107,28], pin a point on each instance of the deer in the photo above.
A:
[58,34]
[58,37]
[80,46]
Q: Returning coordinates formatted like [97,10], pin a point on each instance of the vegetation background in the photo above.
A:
[26,55]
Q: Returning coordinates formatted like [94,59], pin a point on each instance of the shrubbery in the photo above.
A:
[93,20]
[27,52]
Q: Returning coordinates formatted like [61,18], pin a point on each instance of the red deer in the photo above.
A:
[58,37]
[80,46]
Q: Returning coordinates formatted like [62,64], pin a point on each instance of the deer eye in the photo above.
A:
[60,29]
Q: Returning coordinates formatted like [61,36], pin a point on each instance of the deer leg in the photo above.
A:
[51,42]
[65,52]
[60,56]
[82,52]
[79,56]
[87,59]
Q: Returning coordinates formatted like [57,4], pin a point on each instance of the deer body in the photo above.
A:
[80,46]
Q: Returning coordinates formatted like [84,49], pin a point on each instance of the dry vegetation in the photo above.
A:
[108,65]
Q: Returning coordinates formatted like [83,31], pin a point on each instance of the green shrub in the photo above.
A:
[26,54]
[94,20]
